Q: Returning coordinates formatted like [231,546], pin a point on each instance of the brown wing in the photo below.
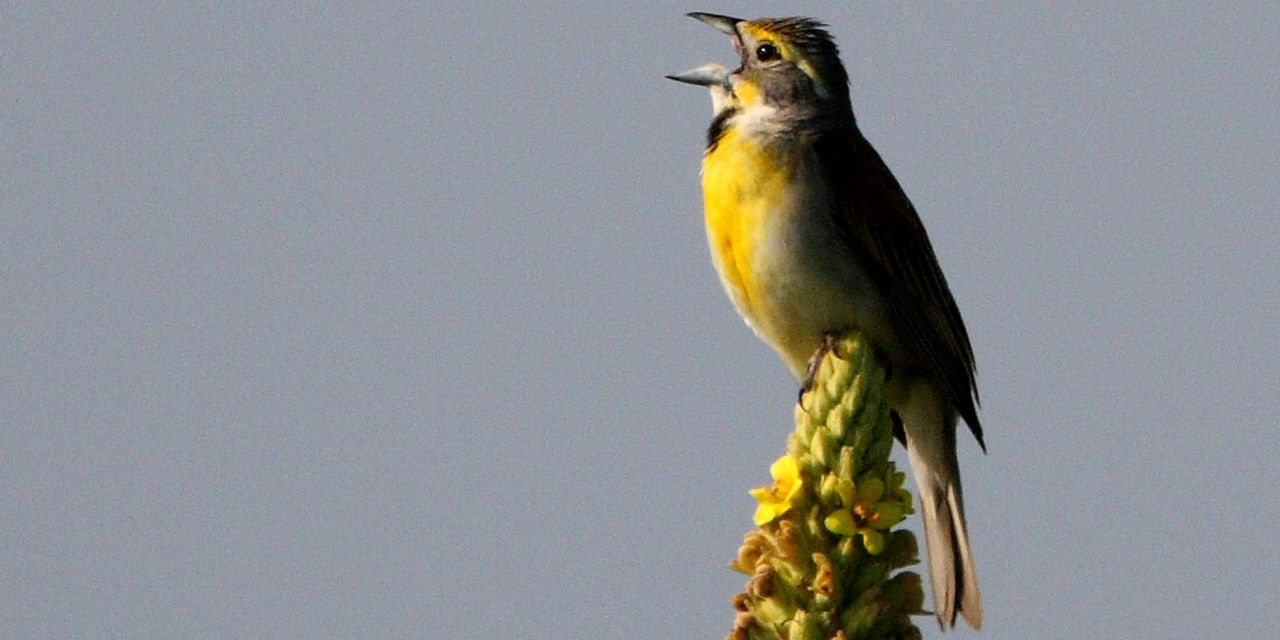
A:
[882,227]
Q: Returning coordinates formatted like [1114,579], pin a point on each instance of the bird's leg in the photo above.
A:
[828,346]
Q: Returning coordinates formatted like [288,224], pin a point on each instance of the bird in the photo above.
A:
[812,236]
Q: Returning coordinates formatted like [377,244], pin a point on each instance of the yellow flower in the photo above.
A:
[777,499]
[870,508]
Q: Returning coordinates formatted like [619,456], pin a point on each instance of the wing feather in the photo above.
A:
[883,229]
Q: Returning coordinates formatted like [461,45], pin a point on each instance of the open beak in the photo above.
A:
[712,75]
[708,75]
[721,23]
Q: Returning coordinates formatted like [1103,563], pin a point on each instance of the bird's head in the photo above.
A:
[788,65]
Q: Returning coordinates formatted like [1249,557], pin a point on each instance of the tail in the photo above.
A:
[931,439]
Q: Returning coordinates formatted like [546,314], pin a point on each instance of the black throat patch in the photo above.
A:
[717,128]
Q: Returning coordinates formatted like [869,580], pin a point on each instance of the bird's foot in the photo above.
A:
[828,346]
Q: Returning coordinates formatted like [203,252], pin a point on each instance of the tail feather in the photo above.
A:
[951,568]
[930,436]
[970,597]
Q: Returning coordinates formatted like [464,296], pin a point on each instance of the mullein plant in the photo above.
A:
[825,562]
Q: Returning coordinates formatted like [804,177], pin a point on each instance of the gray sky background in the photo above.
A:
[398,321]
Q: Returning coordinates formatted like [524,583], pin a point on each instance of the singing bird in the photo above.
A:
[812,236]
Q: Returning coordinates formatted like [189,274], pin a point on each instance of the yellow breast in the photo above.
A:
[743,185]
[787,272]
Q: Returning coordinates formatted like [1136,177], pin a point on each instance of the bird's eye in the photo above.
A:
[765,52]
